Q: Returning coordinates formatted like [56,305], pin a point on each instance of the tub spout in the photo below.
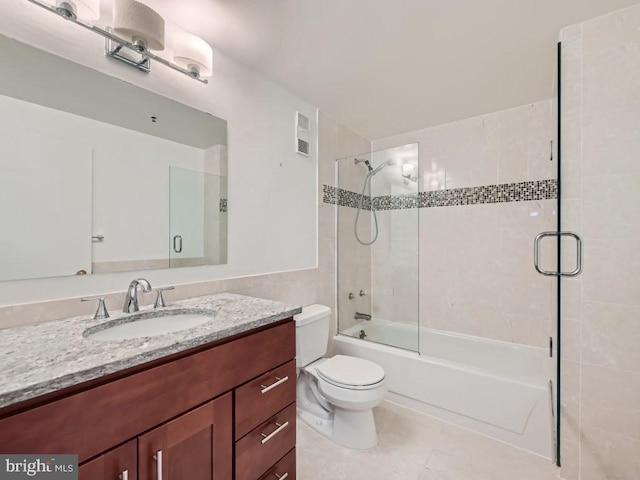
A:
[362,316]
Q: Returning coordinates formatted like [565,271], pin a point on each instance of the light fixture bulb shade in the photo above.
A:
[84,9]
[190,50]
[138,21]
[408,169]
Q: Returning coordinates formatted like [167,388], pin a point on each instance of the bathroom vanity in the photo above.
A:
[212,402]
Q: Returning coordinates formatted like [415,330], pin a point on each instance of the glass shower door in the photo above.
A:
[377,245]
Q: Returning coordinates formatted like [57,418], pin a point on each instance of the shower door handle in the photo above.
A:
[177,244]
[536,254]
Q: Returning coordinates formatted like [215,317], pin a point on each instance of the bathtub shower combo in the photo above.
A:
[503,389]
[489,386]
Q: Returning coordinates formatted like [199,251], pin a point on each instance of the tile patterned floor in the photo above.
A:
[412,446]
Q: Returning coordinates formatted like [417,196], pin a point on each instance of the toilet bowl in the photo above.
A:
[335,396]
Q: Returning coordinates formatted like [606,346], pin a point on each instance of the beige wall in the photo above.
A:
[601,196]
[476,261]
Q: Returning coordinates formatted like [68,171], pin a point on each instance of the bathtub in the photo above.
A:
[496,388]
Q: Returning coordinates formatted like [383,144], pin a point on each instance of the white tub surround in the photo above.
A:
[495,388]
[41,359]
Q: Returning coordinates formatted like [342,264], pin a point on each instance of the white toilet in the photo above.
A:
[335,396]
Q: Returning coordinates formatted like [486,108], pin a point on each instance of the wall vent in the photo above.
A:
[303,127]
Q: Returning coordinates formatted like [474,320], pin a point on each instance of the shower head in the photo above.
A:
[391,161]
[366,162]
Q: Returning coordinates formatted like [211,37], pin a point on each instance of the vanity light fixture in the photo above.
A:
[84,9]
[136,31]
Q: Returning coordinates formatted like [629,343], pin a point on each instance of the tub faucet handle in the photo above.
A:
[362,293]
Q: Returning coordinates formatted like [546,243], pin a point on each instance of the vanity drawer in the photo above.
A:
[285,468]
[264,396]
[266,444]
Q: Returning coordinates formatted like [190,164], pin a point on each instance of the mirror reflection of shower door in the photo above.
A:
[197,218]
[186,217]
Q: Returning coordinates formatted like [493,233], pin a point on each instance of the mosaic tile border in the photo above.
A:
[397,202]
[223,205]
[502,193]
[345,198]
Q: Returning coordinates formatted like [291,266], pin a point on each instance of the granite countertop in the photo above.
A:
[40,359]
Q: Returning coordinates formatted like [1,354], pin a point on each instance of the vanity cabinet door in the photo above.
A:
[197,445]
[121,463]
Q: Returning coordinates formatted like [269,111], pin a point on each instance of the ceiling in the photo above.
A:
[384,67]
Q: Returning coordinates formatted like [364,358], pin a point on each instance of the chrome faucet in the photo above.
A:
[131,300]
[362,316]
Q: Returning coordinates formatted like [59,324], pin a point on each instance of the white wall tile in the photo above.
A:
[610,206]
[611,141]
[611,335]
[604,455]
[611,30]
[611,271]
[610,400]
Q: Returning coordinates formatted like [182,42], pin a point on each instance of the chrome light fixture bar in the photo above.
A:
[135,53]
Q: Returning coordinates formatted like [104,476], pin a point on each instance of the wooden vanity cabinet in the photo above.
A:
[204,415]
[194,446]
[121,463]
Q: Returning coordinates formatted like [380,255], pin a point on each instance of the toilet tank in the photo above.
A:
[312,333]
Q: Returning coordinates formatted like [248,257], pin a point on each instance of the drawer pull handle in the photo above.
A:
[279,381]
[281,477]
[266,438]
[158,458]
[124,475]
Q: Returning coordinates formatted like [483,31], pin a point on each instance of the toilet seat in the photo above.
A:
[350,372]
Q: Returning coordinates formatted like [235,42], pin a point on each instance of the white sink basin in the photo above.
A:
[143,326]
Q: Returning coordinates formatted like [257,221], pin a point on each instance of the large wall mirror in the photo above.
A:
[98,175]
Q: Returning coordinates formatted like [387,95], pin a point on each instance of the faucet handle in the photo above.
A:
[160,299]
[101,312]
